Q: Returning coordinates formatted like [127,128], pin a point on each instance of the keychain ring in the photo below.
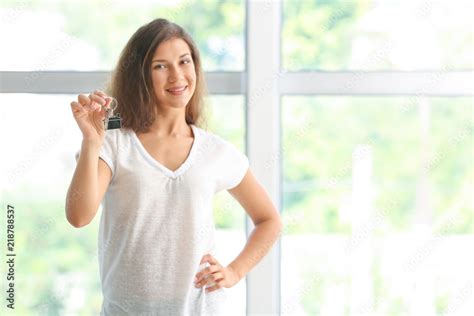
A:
[114,100]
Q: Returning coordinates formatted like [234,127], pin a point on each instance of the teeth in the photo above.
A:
[176,89]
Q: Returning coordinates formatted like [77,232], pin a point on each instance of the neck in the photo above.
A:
[170,127]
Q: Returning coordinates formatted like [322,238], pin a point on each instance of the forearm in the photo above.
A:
[258,245]
[82,193]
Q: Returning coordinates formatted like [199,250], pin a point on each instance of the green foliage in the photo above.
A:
[442,304]
[317,34]
[48,249]
[226,118]
[321,135]
[216,26]
[341,34]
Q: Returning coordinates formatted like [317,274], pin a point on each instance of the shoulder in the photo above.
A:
[116,139]
[217,146]
[116,135]
[211,140]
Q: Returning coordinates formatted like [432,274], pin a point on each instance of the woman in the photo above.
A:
[157,177]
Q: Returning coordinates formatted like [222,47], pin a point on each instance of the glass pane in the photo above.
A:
[377,205]
[227,119]
[58,272]
[377,35]
[89,35]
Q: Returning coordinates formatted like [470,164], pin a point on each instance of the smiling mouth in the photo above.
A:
[176,90]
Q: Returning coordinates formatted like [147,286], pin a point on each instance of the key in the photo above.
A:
[112,121]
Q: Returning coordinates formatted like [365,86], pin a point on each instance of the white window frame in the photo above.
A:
[263,83]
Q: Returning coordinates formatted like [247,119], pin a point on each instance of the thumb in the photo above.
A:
[208,258]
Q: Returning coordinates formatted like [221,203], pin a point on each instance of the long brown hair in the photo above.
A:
[131,82]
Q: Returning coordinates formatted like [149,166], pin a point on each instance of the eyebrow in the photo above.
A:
[166,60]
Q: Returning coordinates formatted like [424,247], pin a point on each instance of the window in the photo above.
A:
[79,40]
[377,150]
[89,35]
[377,35]
[369,103]
[364,180]
[44,138]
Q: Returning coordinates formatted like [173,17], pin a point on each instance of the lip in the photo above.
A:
[176,88]
[179,92]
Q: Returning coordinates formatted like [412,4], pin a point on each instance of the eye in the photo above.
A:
[158,66]
[186,61]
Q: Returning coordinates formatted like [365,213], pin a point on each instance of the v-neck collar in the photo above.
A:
[181,169]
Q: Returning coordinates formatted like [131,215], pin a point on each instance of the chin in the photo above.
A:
[179,105]
[174,103]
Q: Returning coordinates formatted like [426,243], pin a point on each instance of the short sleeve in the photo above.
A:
[232,167]
[107,151]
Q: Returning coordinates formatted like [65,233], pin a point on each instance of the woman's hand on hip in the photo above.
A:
[215,276]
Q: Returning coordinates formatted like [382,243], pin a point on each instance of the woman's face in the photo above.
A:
[173,68]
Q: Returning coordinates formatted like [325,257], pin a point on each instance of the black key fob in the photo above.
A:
[112,121]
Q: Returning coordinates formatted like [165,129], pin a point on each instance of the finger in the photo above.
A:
[107,99]
[208,258]
[97,98]
[214,287]
[205,272]
[206,281]
[76,107]
[217,276]
[87,103]
[108,102]
[97,101]
[210,279]
[100,92]
[83,99]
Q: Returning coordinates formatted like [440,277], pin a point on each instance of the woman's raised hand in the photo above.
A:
[89,115]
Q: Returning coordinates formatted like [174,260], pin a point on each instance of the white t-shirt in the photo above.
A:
[156,224]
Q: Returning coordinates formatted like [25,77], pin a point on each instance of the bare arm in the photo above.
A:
[268,226]
[89,183]
[92,175]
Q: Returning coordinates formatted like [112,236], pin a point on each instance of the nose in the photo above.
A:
[175,74]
